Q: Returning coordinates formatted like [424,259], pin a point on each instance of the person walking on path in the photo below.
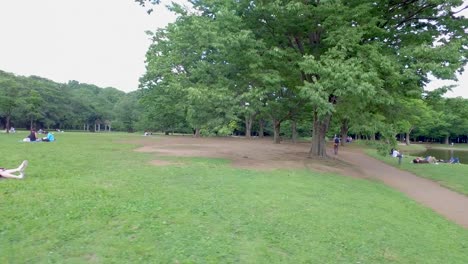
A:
[10,173]
[336,144]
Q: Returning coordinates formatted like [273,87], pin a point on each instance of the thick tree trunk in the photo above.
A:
[447,137]
[197,132]
[248,126]
[408,142]
[294,131]
[373,137]
[344,131]
[318,148]
[277,130]
[31,123]
[261,124]
[7,124]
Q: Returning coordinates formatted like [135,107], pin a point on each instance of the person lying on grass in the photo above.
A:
[9,173]
[428,159]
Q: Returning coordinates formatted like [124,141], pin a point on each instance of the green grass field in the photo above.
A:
[89,199]
[453,176]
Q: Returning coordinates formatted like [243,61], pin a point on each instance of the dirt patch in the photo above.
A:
[257,154]
[163,163]
[262,154]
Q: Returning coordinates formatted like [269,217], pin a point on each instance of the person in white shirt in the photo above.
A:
[397,154]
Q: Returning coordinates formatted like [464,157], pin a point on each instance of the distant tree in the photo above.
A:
[9,91]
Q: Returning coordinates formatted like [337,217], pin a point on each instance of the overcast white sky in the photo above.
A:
[101,42]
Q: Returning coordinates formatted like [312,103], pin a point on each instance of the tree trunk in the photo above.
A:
[31,123]
[277,130]
[373,137]
[447,137]
[344,131]
[261,123]
[7,124]
[248,126]
[318,148]
[294,131]
[408,142]
[197,132]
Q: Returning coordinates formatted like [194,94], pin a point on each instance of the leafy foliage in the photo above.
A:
[35,102]
[305,61]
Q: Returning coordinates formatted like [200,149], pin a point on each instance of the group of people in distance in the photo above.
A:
[433,160]
[34,137]
[429,159]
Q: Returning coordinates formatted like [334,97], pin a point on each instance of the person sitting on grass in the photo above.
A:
[397,154]
[452,160]
[31,137]
[5,173]
[49,138]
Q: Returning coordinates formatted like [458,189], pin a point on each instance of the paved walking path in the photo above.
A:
[452,205]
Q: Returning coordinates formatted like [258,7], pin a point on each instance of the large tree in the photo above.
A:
[315,53]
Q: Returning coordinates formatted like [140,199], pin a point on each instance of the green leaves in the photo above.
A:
[287,58]
[41,103]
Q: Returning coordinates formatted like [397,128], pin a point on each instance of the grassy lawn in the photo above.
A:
[90,199]
[453,176]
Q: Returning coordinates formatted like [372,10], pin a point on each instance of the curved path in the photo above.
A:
[448,203]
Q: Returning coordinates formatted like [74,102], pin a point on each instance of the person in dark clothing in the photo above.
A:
[335,145]
[33,135]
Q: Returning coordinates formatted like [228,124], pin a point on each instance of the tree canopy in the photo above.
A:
[36,102]
[304,61]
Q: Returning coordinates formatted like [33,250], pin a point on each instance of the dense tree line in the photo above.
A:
[35,102]
[327,67]
[286,68]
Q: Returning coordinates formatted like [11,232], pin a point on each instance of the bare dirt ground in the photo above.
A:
[262,154]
